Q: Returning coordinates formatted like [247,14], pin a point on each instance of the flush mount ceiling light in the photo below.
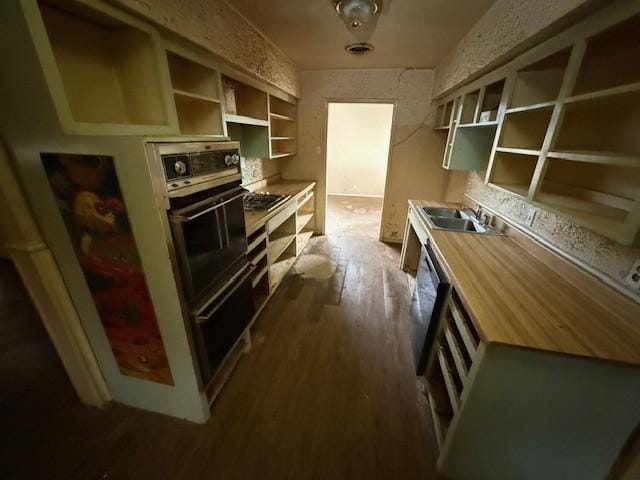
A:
[358,14]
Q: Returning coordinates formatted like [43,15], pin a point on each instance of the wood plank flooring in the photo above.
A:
[327,392]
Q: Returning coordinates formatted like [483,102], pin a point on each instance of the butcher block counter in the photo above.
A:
[514,298]
[534,367]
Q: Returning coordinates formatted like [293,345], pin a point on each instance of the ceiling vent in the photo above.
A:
[359,48]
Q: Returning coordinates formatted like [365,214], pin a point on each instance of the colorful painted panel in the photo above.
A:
[88,194]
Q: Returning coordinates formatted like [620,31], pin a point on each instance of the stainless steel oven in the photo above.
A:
[210,238]
[200,187]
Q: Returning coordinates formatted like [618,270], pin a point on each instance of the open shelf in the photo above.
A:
[302,219]
[604,191]
[108,67]
[279,269]
[243,120]
[525,129]
[302,239]
[281,109]
[277,116]
[540,82]
[607,158]
[513,172]
[198,117]
[254,139]
[192,79]
[243,100]
[281,154]
[491,102]
[469,107]
[605,124]
[610,58]
[443,116]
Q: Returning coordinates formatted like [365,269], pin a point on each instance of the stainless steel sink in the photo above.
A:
[459,224]
[442,212]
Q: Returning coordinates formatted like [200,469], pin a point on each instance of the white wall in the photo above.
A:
[358,137]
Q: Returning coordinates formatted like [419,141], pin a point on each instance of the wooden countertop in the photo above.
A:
[254,219]
[514,298]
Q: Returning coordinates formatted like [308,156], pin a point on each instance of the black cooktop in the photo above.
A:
[263,200]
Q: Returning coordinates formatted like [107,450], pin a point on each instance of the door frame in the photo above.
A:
[386,101]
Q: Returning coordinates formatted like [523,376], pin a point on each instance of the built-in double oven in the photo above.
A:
[200,183]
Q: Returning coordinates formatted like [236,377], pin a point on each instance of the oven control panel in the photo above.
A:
[192,165]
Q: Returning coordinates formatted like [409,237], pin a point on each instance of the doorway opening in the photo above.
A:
[358,140]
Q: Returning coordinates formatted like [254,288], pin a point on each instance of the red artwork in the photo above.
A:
[89,197]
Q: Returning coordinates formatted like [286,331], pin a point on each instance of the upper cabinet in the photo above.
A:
[196,92]
[565,135]
[111,73]
[282,128]
[104,68]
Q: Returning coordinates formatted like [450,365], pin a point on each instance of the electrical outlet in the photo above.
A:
[531,215]
[633,279]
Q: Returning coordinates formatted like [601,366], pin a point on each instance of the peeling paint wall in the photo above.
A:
[610,258]
[214,25]
[416,152]
[507,26]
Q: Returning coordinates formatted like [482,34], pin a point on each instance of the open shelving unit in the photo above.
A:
[102,67]
[196,92]
[469,139]
[247,117]
[583,146]
[282,128]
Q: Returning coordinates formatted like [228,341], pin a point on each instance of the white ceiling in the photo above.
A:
[410,33]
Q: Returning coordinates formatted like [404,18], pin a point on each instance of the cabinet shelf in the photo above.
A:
[278,245]
[282,138]
[540,82]
[281,155]
[277,116]
[182,93]
[632,87]
[527,108]
[302,220]
[518,151]
[609,59]
[525,129]
[243,120]
[108,66]
[606,158]
[198,117]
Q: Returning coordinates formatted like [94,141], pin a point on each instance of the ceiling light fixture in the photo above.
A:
[358,14]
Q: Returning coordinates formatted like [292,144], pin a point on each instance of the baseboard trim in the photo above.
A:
[353,195]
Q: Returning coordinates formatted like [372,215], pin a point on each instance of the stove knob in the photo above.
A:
[180,167]
[228,160]
[235,159]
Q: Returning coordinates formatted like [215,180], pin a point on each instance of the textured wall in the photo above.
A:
[507,25]
[214,25]
[416,152]
[606,256]
[256,169]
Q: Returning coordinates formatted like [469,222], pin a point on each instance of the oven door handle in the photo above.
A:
[221,245]
[213,308]
[180,217]
[226,225]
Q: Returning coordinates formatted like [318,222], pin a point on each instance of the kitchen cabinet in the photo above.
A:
[277,238]
[531,374]
[563,135]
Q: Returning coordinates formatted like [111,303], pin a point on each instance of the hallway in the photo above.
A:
[353,216]
[327,392]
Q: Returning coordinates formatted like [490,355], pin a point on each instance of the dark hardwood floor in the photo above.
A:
[327,392]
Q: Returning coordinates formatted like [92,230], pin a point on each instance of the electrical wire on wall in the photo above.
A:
[422,122]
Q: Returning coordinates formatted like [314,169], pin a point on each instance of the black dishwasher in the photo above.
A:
[428,299]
